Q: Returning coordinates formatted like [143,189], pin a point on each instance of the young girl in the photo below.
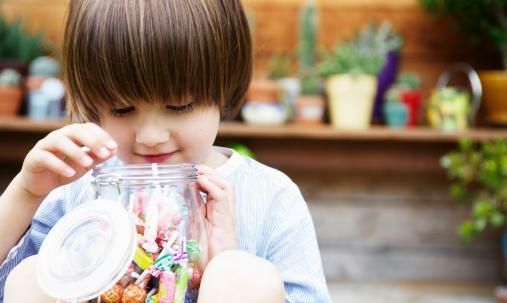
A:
[149,81]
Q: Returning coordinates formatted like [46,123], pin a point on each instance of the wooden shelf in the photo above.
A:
[299,147]
[297,131]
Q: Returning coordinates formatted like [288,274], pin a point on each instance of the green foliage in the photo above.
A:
[476,19]
[10,77]
[365,54]
[17,44]
[307,49]
[479,176]
[349,57]
[242,150]
[280,66]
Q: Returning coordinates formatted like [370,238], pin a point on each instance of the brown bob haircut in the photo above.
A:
[120,52]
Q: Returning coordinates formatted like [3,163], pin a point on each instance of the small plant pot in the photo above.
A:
[351,100]
[10,100]
[396,114]
[310,109]
[412,99]
[264,113]
[263,90]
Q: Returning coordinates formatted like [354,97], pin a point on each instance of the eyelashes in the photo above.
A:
[180,109]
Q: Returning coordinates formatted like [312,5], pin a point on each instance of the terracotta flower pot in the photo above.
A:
[263,90]
[10,100]
[310,109]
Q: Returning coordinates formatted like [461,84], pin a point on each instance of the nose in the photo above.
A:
[151,133]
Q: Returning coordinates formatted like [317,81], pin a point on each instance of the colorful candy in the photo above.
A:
[166,287]
[113,295]
[165,262]
[133,294]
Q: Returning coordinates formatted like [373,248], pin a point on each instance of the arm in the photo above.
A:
[294,250]
[55,160]
[17,207]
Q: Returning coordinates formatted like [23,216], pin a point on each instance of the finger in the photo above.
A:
[211,188]
[51,162]
[83,134]
[205,170]
[69,150]
[105,137]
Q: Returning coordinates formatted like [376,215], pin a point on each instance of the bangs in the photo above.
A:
[119,53]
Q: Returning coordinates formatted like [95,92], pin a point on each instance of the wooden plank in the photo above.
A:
[230,129]
[354,264]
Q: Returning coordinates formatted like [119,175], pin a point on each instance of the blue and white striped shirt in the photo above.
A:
[272,218]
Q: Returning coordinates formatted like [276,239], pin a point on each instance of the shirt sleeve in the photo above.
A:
[293,249]
[50,210]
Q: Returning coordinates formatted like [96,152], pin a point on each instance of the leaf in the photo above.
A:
[497,219]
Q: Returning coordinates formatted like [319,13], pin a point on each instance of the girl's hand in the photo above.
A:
[63,156]
[219,210]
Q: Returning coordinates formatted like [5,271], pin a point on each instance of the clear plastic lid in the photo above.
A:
[87,251]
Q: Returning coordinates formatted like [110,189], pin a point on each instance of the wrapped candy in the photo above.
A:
[113,295]
[133,294]
[166,287]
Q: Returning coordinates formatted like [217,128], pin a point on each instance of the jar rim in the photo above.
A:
[138,174]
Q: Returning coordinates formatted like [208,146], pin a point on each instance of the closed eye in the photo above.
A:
[120,112]
[180,109]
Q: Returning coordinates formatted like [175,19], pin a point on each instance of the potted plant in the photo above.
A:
[479,179]
[351,69]
[388,43]
[482,20]
[395,111]
[18,48]
[10,92]
[403,101]
[310,104]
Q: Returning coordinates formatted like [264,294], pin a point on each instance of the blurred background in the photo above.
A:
[389,114]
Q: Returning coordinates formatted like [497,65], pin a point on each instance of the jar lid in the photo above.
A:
[87,251]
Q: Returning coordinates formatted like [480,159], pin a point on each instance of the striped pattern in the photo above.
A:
[273,222]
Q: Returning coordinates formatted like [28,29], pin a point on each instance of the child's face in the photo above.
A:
[158,133]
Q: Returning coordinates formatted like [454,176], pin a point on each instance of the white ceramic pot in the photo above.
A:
[351,100]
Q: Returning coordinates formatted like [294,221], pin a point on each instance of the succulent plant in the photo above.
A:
[44,67]
[10,77]
[351,58]
[19,45]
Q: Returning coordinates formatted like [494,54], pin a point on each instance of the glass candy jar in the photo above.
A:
[142,239]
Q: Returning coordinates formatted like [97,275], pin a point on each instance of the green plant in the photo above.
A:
[17,44]
[351,58]
[307,49]
[10,77]
[477,19]
[365,54]
[44,67]
[479,177]
[279,66]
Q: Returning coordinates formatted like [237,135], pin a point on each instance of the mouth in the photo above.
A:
[157,158]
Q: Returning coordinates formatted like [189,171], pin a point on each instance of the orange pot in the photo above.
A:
[494,98]
[10,100]
[263,90]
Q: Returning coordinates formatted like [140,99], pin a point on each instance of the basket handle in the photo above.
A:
[473,79]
